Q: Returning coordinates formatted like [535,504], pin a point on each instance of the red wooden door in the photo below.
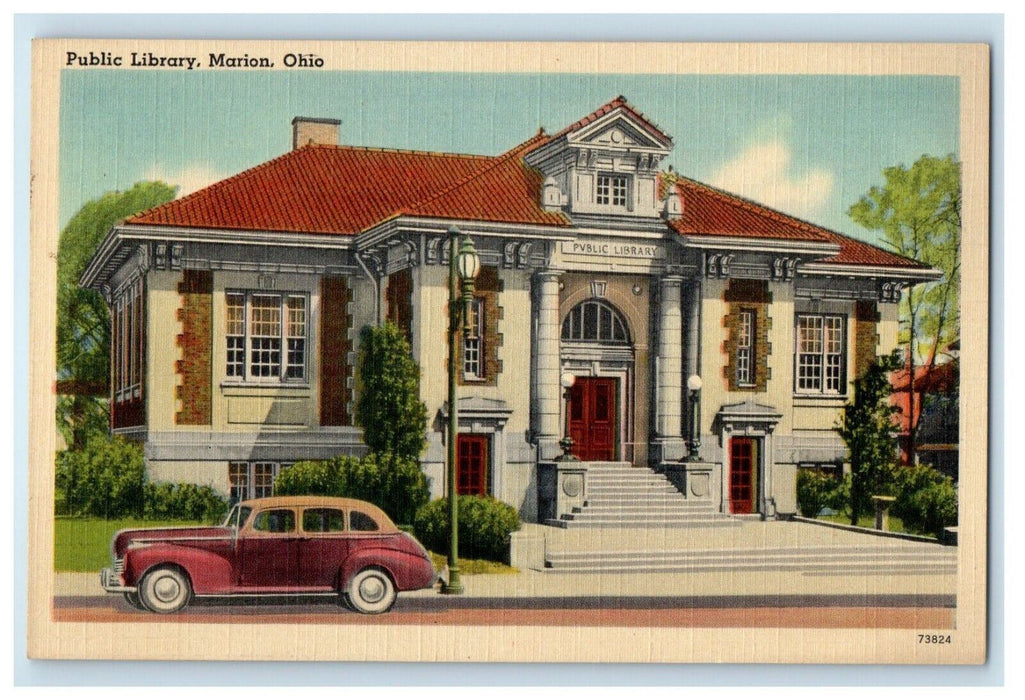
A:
[743,474]
[592,418]
[472,464]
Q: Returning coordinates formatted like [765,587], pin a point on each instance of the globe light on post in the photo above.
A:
[694,443]
[568,379]
[463,268]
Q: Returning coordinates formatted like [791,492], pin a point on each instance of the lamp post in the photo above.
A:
[568,379]
[694,443]
[463,266]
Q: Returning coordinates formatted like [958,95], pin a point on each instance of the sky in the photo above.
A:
[808,145]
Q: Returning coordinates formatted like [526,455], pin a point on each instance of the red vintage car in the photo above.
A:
[291,545]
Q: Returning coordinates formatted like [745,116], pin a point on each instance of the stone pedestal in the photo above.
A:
[695,480]
[560,488]
[667,450]
[882,505]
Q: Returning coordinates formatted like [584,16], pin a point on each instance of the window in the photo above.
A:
[612,190]
[323,520]
[127,343]
[594,321]
[820,354]
[361,522]
[277,521]
[473,342]
[252,479]
[266,336]
[745,348]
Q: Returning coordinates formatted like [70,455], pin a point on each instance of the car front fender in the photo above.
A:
[209,572]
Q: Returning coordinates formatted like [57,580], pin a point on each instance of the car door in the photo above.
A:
[323,547]
[269,551]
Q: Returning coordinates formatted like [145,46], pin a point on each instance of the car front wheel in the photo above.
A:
[133,600]
[165,590]
[371,591]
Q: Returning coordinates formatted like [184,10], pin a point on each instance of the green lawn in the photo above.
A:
[469,567]
[869,521]
[83,544]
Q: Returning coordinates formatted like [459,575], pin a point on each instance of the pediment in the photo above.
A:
[621,130]
[749,410]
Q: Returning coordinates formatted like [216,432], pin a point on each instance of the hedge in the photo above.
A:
[485,524]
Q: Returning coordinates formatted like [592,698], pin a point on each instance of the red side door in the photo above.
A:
[592,418]
[743,474]
[323,547]
[472,464]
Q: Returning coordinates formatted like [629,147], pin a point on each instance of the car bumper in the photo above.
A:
[111,583]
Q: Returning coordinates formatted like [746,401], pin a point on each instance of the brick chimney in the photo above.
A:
[307,130]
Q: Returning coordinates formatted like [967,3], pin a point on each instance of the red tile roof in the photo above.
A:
[708,211]
[344,190]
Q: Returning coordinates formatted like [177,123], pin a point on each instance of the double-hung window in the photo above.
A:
[473,342]
[253,479]
[612,190]
[820,354]
[266,336]
[127,343]
[745,348]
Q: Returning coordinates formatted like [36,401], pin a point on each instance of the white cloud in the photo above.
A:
[188,180]
[761,173]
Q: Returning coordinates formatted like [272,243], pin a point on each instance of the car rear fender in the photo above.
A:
[407,571]
[210,573]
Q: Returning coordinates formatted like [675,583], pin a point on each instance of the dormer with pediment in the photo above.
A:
[606,164]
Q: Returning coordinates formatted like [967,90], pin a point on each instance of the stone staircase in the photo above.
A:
[896,559]
[619,495]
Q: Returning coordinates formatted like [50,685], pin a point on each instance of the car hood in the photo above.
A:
[182,535]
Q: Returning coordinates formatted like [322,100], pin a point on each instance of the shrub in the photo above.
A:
[485,524]
[388,405]
[166,501]
[103,479]
[815,491]
[926,500]
[395,484]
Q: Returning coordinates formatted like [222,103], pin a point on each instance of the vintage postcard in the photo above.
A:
[509,351]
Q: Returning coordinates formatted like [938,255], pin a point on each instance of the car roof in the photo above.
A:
[321,502]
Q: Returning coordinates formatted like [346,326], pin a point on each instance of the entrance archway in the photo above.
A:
[597,350]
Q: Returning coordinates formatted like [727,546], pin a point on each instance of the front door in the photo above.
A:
[743,474]
[592,418]
[472,464]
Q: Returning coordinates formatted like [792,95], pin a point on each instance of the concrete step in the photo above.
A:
[881,568]
[645,508]
[649,523]
[837,558]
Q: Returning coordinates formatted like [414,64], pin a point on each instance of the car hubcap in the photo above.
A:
[166,589]
[371,590]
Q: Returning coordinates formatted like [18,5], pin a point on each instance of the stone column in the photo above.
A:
[546,389]
[669,408]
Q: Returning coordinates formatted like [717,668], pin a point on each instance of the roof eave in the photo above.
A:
[918,274]
[715,242]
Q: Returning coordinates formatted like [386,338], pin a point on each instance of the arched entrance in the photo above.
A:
[597,350]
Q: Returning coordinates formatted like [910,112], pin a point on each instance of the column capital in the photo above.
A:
[549,274]
[670,280]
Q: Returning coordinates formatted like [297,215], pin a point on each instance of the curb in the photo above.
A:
[868,530]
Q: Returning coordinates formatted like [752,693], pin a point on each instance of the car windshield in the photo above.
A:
[237,516]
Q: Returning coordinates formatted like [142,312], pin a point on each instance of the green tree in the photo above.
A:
[867,428]
[389,409]
[83,320]
[918,211]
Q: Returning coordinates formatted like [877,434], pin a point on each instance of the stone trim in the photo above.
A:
[195,368]
[754,296]
[335,347]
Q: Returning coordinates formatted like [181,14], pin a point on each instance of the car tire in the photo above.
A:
[371,592]
[133,600]
[165,590]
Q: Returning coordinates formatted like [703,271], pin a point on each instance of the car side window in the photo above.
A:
[323,520]
[275,521]
[361,522]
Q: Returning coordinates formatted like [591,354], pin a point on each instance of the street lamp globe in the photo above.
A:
[468,262]
[694,383]
[567,380]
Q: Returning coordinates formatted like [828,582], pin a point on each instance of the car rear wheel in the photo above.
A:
[165,590]
[371,591]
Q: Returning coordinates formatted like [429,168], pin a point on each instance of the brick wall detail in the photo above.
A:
[866,336]
[748,295]
[335,346]
[487,288]
[399,295]
[194,369]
